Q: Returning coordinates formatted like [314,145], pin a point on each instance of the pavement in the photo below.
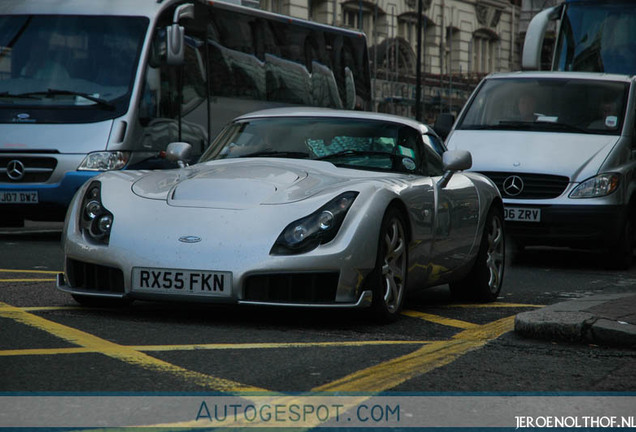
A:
[608,320]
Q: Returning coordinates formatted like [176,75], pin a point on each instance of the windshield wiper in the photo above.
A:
[55,92]
[353,153]
[563,126]
[273,153]
[528,125]
[6,94]
[541,124]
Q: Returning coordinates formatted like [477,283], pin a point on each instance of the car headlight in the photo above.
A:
[598,186]
[320,227]
[95,220]
[104,161]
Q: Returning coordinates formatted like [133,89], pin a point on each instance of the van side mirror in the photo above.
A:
[453,161]
[444,124]
[175,35]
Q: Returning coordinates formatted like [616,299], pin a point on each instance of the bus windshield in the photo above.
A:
[548,105]
[597,36]
[82,62]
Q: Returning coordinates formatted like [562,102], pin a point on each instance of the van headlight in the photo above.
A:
[598,186]
[104,161]
[95,220]
[306,234]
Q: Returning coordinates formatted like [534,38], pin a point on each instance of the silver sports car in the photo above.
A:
[291,207]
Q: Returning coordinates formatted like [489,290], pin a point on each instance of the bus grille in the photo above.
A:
[26,169]
[93,277]
[292,288]
[533,186]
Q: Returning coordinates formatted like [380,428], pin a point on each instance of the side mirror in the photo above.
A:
[179,152]
[175,35]
[457,160]
[453,161]
[533,43]
[444,124]
[175,51]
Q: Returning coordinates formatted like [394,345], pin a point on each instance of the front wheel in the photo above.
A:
[391,268]
[621,254]
[485,279]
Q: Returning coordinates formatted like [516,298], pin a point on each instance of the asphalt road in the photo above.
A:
[48,343]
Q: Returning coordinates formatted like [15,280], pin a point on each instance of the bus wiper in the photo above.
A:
[55,92]
[353,153]
[273,153]
[6,94]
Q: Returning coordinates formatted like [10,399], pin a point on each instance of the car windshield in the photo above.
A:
[86,62]
[549,105]
[366,144]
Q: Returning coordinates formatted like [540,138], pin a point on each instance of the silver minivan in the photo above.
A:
[561,148]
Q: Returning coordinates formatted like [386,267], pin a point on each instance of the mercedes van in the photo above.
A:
[561,148]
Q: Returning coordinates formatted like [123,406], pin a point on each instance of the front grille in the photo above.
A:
[535,186]
[94,277]
[292,288]
[34,169]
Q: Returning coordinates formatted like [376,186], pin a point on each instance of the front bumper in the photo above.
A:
[581,226]
[110,286]
[53,199]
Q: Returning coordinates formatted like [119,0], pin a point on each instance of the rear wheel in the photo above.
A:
[485,279]
[390,272]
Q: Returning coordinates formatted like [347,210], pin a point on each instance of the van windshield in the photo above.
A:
[548,104]
[68,68]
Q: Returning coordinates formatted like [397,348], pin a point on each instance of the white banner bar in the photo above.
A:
[280,411]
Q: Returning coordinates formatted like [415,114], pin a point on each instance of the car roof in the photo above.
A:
[562,75]
[336,113]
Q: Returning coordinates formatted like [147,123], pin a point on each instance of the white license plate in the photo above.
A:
[24,197]
[189,282]
[522,214]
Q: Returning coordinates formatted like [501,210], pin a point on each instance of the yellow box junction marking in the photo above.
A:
[119,352]
[42,272]
[374,379]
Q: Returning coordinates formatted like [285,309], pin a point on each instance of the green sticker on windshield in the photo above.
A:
[405,151]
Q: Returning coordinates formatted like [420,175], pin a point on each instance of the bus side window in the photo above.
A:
[194,75]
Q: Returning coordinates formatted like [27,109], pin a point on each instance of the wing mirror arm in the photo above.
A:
[453,161]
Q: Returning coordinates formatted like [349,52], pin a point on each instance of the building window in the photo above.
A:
[275,6]
[452,49]
[352,12]
[407,29]
[484,48]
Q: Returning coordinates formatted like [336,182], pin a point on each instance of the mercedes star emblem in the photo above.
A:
[15,170]
[513,185]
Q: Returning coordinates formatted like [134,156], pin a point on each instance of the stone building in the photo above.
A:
[461,41]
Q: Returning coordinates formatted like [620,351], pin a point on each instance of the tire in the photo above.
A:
[621,254]
[389,284]
[90,301]
[483,282]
